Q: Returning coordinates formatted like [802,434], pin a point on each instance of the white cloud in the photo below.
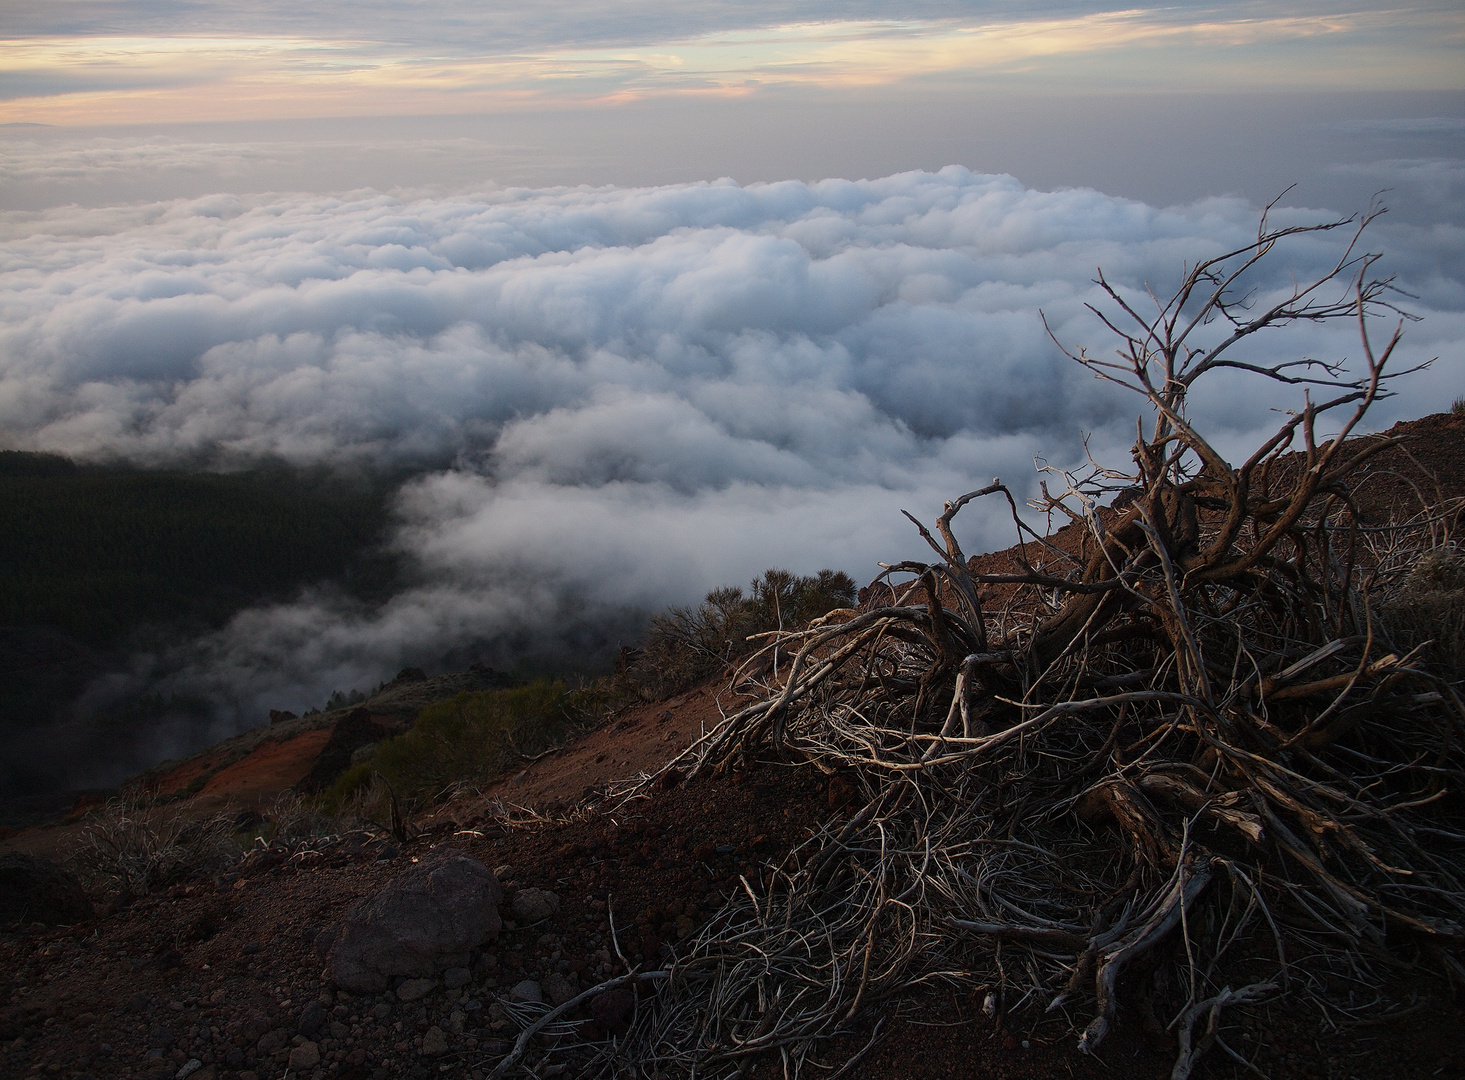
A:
[645,392]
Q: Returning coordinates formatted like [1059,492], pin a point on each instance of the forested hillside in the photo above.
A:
[105,553]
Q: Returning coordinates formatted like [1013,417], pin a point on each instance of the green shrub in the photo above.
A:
[1458,408]
[466,741]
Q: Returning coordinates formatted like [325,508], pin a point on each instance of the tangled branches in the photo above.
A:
[1185,749]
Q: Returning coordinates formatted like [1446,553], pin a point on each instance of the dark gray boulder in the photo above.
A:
[428,920]
[34,890]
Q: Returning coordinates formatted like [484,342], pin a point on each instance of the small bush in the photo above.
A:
[294,818]
[134,847]
[467,741]
[686,645]
[1458,408]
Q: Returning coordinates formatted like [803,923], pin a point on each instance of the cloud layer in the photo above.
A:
[620,397]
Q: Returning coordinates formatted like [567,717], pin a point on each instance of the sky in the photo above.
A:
[654,296]
[123,61]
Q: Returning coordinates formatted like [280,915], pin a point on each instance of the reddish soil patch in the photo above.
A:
[637,740]
[178,780]
[259,778]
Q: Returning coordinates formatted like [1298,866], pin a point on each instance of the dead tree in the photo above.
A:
[1185,743]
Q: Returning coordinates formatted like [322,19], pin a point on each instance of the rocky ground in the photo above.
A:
[227,976]
[224,977]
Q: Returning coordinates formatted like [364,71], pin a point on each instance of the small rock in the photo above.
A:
[528,991]
[456,977]
[415,989]
[311,1018]
[189,1067]
[434,1042]
[533,905]
[559,989]
[160,1037]
[305,1056]
[612,1009]
[271,1041]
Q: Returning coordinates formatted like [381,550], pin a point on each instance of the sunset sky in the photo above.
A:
[86,62]
[1160,103]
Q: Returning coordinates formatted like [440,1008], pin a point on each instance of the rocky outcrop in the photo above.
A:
[33,890]
[427,921]
[351,733]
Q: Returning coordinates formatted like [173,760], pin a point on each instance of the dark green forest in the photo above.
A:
[104,554]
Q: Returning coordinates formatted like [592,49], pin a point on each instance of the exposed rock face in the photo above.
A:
[33,890]
[428,920]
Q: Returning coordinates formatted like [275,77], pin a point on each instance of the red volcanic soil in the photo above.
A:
[209,970]
[259,778]
[638,740]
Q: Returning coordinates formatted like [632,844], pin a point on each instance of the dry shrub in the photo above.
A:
[295,818]
[1180,772]
[132,846]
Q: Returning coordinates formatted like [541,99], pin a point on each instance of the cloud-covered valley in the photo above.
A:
[615,398]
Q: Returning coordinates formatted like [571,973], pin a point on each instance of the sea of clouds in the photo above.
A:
[617,398]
